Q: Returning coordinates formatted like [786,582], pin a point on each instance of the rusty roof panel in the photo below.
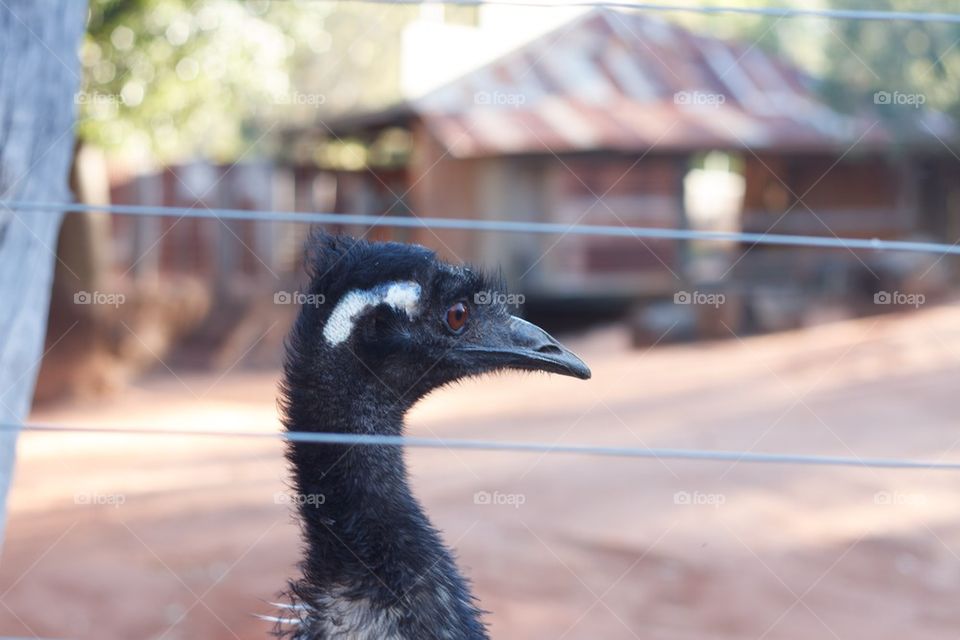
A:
[624,81]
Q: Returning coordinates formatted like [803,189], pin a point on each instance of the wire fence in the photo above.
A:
[831,241]
[509,226]
[352,440]
[771,12]
[506,226]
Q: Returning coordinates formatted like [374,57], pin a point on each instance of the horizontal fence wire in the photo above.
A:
[771,12]
[699,455]
[508,226]
[500,226]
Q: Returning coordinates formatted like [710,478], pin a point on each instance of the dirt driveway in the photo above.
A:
[120,537]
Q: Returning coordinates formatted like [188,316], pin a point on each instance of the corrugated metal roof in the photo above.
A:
[622,81]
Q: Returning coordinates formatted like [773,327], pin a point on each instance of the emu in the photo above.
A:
[386,324]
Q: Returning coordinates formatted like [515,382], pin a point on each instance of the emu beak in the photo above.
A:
[527,346]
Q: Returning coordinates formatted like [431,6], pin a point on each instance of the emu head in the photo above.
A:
[394,316]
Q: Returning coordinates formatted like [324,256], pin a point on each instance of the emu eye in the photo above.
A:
[457,317]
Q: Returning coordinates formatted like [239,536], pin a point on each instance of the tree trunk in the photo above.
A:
[39,75]
[79,363]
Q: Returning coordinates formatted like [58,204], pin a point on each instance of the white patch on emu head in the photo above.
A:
[399,295]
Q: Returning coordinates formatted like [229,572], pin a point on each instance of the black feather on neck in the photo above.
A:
[374,566]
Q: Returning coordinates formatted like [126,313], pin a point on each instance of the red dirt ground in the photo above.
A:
[121,537]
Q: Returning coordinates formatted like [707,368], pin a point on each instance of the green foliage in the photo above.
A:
[170,78]
[919,61]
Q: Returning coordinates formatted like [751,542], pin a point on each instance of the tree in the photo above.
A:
[38,79]
[171,79]
[911,64]
[167,80]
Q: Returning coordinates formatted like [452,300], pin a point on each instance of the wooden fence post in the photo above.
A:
[39,77]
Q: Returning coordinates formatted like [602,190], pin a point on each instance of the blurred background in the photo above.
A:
[571,115]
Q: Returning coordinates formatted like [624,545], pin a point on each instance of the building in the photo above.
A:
[627,119]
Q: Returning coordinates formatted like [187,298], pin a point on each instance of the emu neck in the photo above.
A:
[369,543]
[344,490]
